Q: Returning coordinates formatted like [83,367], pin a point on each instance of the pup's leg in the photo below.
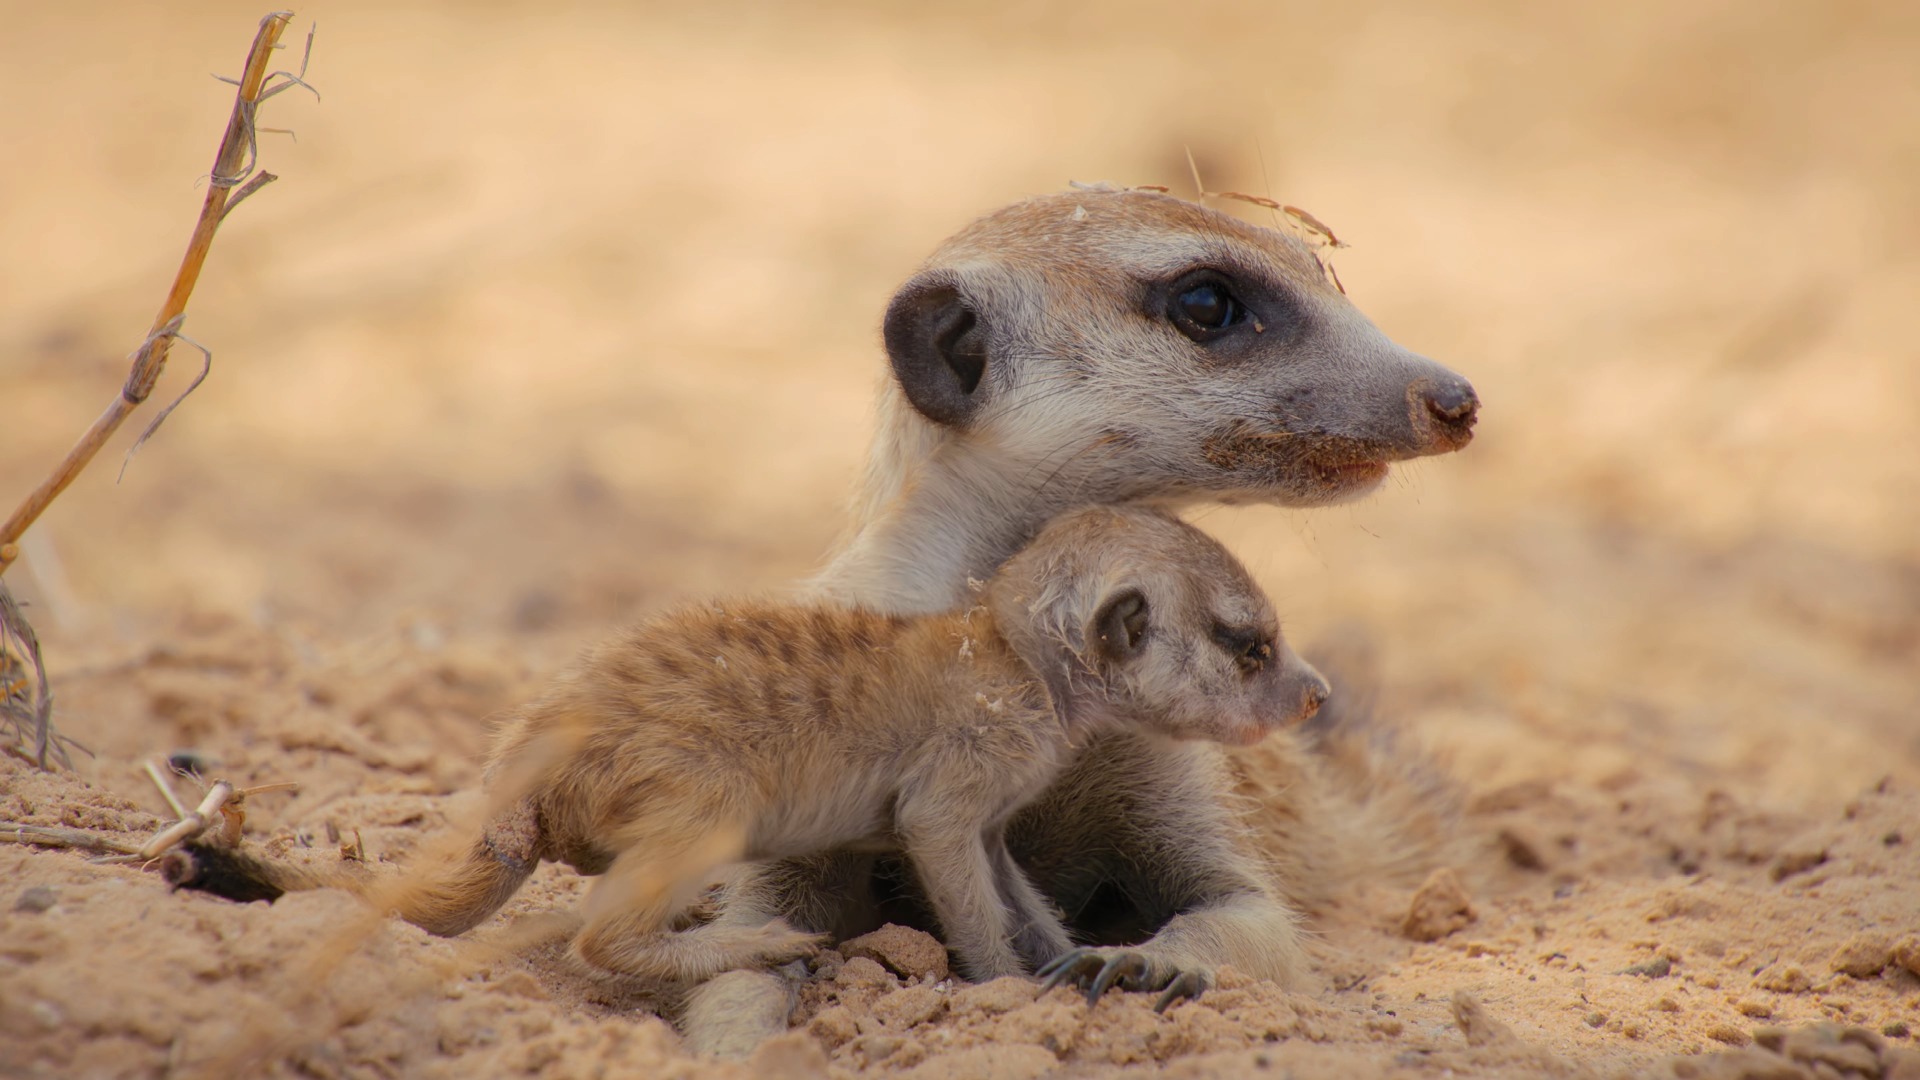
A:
[1037,934]
[950,856]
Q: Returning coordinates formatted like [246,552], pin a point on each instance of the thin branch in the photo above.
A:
[206,368]
[232,165]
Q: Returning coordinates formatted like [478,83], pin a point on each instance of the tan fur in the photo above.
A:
[1089,394]
[759,731]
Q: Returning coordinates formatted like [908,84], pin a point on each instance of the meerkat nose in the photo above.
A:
[1316,695]
[1453,407]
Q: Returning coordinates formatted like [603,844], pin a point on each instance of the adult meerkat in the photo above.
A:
[768,731]
[1099,346]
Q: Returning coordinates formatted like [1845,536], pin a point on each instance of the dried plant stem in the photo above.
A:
[166,790]
[193,824]
[48,836]
[231,167]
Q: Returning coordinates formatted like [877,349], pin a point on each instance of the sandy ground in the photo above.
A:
[559,314]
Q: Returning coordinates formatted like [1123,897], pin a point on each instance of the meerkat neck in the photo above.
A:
[933,512]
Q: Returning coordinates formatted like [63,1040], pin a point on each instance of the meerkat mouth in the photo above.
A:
[1337,466]
[1350,474]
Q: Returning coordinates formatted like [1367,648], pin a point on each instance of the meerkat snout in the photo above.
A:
[1310,690]
[1443,412]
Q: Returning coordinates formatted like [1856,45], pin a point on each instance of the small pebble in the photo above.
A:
[907,953]
[1729,1034]
[1862,956]
[34,899]
[1440,907]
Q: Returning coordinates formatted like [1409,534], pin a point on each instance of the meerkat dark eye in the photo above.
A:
[1255,659]
[1202,307]
[1251,649]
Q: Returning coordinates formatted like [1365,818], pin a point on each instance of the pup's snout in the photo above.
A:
[1444,411]
[1313,695]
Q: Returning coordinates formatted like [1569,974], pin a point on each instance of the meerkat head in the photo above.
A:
[1128,344]
[1130,615]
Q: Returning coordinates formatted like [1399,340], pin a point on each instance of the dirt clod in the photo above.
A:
[1784,979]
[1907,954]
[1862,956]
[1440,907]
[908,953]
[1730,1034]
[1797,861]
[860,972]
[1474,1023]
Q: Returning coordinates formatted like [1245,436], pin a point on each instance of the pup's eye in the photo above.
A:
[1205,307]
[1254,659]
[1251,650]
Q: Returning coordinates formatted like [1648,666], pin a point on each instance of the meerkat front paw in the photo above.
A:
[1098,969]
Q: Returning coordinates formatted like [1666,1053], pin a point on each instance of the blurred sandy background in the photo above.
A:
[558,312]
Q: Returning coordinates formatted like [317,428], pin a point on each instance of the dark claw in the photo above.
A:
[1188,984]
[1120,966]
[1064,967]
[1100,972]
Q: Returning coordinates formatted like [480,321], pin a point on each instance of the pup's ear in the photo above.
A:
[1119,625]
[937,343]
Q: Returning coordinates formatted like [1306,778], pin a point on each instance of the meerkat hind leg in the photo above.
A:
[706,951]
[659,873]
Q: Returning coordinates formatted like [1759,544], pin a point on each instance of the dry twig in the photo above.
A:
[193,824]
[233,166]
[166,790]
[223,803]
[27,707]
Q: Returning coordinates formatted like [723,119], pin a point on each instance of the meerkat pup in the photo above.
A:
[760,731]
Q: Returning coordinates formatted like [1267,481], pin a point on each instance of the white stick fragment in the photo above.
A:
[192,824]
[166,790]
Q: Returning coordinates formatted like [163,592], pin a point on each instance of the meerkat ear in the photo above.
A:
[938,347]
[1119,625]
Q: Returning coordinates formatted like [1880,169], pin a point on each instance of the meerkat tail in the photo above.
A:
[1402,808]
[1348,800]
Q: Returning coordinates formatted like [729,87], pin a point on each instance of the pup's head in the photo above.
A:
[1130,615]
[1119,345]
